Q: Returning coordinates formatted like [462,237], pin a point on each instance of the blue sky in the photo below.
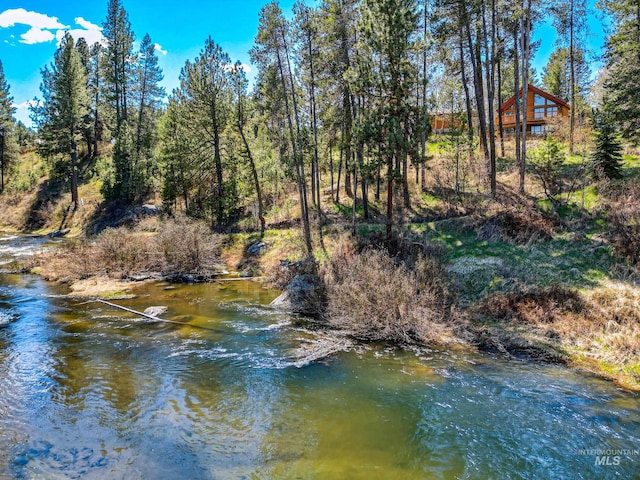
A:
[30,29]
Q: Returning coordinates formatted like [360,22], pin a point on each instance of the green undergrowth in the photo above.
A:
[482,267]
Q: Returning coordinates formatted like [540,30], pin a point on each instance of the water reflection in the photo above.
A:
[91,392]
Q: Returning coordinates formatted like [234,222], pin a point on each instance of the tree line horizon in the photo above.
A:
[344,90]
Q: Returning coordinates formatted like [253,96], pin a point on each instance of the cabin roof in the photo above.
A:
[540,92]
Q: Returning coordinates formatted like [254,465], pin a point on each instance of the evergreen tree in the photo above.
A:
[570,20]
[386,74]
[148,94]
[623,63]
[556,76]
[178,156]
[272,54]
[117,67]
[24,137]
[85,57]
[118,62]
[606,158]
[63,115]
[546,161]
[337,47]
[239,87]
[96,93]
[205,93]
[6,128]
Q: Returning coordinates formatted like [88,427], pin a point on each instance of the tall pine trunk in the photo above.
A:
[74,173]
[572,80]
[256,182]
[516,102]
[296,144]
[525,53]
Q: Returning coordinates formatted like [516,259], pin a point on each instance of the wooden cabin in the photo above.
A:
[542,107]
[441,122]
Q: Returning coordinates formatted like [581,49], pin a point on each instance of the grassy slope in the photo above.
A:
[578,257]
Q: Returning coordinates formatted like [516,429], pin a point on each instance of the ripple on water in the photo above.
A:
[46,460]
[6,317]
[84,394]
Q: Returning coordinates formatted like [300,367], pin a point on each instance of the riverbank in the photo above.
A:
[561,297]
[94,392]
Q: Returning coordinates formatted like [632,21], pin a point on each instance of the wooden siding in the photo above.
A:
[541,108]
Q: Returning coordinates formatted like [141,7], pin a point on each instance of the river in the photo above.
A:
[87,391]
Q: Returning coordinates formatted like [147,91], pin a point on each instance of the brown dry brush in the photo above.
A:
[602,324]
[377,297]
[181,246]
[622,208]
[521,226]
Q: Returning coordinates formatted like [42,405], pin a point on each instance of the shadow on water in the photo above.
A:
[89,392]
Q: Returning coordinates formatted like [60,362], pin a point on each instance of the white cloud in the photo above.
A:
[9,18]
[24,105]
[45,28]
[36,35]
[40,25]
[159,49]
[86,24]
[91,32]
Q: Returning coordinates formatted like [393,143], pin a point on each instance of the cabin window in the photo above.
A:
[537,129]
[508,113]
[539,113]
[538,100]
[552,112]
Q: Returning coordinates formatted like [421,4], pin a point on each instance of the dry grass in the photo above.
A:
[598,330]
[520,226]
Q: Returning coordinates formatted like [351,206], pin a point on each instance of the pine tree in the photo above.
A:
[6,127]
[148,94]
[271,53]
[570,20]
[556,76]
[96,93]
[118,66]
[623,63]
[239,87]
[178,156]
[606,158]
[118,60]
[205,93]
[385,72]
[62,116]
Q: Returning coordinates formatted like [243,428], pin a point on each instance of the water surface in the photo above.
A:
[87,391]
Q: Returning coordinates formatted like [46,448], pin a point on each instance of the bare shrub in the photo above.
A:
[517,226]
[375,298]
[188,247]
[69,263]
[180,247]
[122,252]
[623,212]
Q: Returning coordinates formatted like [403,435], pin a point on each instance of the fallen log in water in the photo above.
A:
[150,317]
[319,348]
